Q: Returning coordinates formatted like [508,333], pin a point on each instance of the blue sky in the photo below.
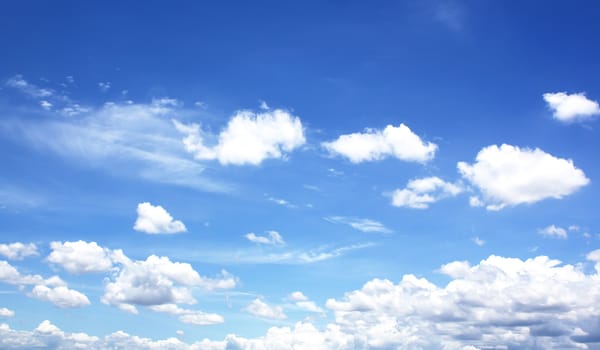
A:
[269,175]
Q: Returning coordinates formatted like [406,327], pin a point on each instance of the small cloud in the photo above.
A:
[419,193]
[334,172]
[156,220]
[282,202]
[69,79]
[75,109]
[574,228]
[200,104]
[261,309]
[297,296]
[571,107]
[104,86]
[478,241]
[46,105]
[4,312]
[272,238]
[363,225]
[264,105]
[553,232]
[18,250]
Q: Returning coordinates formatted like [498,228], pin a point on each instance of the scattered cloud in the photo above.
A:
[18,250]
[46,105]
[272,238]
[81,257]
[399,142]
[281,202]
[363,225]
[553,232]
[104,86]
[419,193]
[156,220]
[27,88]
[571,107]
[297,296]
[509,175]
[259,308]
[302,302]
[194,317]
[249,138]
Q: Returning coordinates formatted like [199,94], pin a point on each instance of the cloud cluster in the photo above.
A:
[571,107]
[18,250]
[248,139]
[509,175]
[154,219]
[53,289]
[419,193]
[303,302]
[553,232]
[399,142]
[520,304]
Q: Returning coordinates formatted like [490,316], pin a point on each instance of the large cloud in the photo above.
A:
[571,107]
[249,138]
[504,303]
[154,219]
[509,175]
[399,142]
[80,257]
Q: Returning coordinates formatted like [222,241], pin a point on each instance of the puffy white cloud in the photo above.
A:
[60,296]
[156,220]
[509,175]
[52,289]
[360,224]
[419,193]
[158,280]
[249,138]
[261,309]
[80,257]
[571,107]
[4,312]
[553,232]
[297,296]
[272,238]
[302,302]
[194,317]
[18,250]
[399,142]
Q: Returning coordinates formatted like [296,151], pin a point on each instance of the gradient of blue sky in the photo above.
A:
[89,92]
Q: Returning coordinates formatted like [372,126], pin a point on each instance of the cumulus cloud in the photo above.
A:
[80,257]
[248,139]
[4,312]
[399,142]
[260,308]
[158,280]
[419,193]
[498,302]
[194,317]
[509,175]
[553,232]
[18,250]
[272,238]
[52,289]
[302,302]
[360,224]
[156,220]
[571,107]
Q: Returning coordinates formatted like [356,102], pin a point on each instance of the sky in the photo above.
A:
[299,175]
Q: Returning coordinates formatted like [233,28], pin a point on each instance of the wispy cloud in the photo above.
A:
[360,224]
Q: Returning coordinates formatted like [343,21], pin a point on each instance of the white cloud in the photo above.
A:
[60,296]
[302,302]
[509,175]
[32,90]
[297,296]
[399,142]
[80,257]
[157,281]
[273,238]
[498,303]
[282,202]
[123,139]
[104,86]
[571,107]
[52,289]
[261,309]
[419,193]
[18,250]
[360,224]
[4,312]
[478,241]
[194,317]
[553,232]
[46,105]
[249,138]
[156,220]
